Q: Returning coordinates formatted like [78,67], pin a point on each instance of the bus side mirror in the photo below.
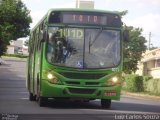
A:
[126,35]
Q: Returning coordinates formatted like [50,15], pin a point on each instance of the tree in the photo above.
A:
[4,37]
[14,22]
[132,50]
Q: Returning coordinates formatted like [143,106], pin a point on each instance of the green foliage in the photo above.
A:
[145,80]
[132,50]
[14,22]
[133,83]
[4,37]
[153,86]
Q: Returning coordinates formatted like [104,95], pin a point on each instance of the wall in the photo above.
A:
[150,64]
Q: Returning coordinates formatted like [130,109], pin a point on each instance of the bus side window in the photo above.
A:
[31,41]
[36,33]
[29,44]
[40,36]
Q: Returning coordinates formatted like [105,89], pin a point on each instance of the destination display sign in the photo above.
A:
[85,18]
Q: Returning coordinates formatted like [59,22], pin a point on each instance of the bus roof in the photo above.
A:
[83,10]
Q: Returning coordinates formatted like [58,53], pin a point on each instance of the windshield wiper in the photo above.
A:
[91,43]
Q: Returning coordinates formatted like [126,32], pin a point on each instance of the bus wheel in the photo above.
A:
[105,103]
[32,97]
[42,101]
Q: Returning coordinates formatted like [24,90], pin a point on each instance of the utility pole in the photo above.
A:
[149,42]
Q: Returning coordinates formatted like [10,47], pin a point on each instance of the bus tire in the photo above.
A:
[42,101]
[106,103]
[32,97]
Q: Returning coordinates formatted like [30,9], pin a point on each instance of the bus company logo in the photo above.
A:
[79,64]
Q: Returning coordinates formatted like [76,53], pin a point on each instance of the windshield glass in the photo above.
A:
[83,48]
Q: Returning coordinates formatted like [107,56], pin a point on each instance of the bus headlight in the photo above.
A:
[113,81]
[51,78]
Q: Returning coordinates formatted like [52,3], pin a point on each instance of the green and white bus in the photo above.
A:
[76,54]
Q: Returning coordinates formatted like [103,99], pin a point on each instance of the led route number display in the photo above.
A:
[85,18]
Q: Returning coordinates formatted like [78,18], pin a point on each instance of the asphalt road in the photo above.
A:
[14,102]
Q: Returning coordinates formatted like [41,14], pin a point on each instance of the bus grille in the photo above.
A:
[92,83]
[81,91]
[72,83]
[83,75]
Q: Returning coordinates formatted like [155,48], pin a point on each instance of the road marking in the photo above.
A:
[24,98]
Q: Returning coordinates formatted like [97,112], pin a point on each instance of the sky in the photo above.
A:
[144,14]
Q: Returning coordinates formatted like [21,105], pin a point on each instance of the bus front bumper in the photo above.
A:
[72,91]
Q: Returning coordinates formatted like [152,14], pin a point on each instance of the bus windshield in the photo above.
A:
[83,47]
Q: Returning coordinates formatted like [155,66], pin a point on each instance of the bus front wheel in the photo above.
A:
[32,97]
[106,103]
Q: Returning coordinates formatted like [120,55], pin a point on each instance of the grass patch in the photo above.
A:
[16,55]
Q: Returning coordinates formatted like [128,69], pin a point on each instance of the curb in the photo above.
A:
[140,96]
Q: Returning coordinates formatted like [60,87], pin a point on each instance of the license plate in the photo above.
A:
[110,93]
